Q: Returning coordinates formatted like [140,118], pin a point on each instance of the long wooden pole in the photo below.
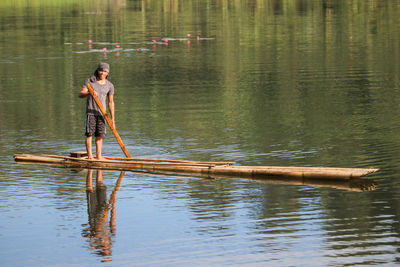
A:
[109,121]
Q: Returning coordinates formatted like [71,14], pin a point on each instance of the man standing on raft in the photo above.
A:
[95,122]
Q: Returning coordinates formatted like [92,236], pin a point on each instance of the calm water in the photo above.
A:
[268,82]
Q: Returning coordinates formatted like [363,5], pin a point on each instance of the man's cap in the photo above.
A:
[103,66]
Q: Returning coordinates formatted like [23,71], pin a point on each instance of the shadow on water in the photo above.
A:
[355,185]
[101,226]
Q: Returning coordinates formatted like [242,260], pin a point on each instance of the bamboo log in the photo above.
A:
[175,161]
[73,156]
[126,163]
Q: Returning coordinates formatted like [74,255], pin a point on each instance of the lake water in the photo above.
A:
[262,82]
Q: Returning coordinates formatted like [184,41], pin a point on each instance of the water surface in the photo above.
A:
[303,83]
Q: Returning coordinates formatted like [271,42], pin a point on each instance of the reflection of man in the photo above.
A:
[98,232]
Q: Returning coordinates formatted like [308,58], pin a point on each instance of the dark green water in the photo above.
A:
[289,82]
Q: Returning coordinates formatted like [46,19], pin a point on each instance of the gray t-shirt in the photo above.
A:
[103,90]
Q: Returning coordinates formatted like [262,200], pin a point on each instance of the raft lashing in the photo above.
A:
[80,160]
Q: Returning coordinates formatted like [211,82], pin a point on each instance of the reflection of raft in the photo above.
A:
[356,185]
[196,167]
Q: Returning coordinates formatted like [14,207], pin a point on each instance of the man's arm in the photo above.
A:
[85,92]
[111,108]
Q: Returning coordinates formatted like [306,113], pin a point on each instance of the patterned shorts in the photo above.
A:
[95,125]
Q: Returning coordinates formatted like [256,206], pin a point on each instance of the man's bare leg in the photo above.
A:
[89,147]
[99,146]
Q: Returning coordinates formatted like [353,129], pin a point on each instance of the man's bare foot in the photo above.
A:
[90,157]
[99,158]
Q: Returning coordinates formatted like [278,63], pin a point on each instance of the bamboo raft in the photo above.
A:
[80,160]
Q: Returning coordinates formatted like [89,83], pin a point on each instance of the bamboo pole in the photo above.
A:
[109,121]
[175,161]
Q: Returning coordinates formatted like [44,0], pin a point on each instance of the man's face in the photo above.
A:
[102,74]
